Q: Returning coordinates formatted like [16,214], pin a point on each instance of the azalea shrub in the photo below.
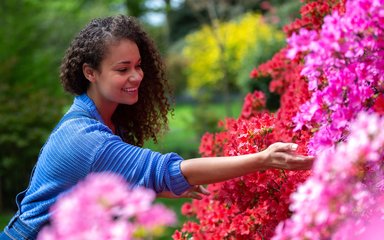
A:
[330,78]
[104,207]
[345,191]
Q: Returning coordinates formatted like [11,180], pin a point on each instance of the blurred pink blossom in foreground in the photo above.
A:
[104,207]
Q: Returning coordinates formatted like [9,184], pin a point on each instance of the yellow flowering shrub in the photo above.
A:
[240,38]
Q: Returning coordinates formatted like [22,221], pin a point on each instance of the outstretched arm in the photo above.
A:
[279,155]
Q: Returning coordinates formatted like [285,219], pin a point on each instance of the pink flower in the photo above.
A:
[104,207]
[342,191]
[157,215]
[344,68]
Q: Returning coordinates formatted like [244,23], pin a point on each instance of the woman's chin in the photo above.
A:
[131,101]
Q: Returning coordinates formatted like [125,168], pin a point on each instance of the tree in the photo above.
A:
[32,100]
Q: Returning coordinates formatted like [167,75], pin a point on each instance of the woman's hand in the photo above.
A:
[282,156]
[194,192]
[208,170]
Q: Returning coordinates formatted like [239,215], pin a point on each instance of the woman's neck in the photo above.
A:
[105,109]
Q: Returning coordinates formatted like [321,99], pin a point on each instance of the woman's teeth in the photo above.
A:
[129,89]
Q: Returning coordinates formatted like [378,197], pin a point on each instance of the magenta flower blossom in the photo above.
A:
[344,193]
[344,66]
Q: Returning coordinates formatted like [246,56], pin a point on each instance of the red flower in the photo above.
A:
[379,104]
[254,73]
[187,209]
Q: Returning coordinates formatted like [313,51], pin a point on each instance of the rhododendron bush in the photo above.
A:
[330,72]
[103,207]
[345,189]
[344,66]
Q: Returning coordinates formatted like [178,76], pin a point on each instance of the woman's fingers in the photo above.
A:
[284,147]
[201,189]
[196,192]
[281,156]
[194,195]
[297,162]
[302,162]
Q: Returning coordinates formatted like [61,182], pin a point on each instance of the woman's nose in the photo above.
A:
[136,76]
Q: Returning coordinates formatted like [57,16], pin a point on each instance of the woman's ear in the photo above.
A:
[89,72]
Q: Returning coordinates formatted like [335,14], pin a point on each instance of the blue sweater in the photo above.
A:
[84,144]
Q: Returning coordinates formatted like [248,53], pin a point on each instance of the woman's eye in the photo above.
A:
[121,70]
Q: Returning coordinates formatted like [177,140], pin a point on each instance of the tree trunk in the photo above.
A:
[167,27]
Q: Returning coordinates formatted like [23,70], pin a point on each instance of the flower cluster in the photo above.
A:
[251,206]
[344,68]
[103,207]
[313,13]
[253,102]
[345,187]
[248,207]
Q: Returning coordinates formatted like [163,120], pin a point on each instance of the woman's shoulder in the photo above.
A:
[77,139]
[80,125]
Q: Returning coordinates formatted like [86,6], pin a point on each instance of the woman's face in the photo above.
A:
[118,78]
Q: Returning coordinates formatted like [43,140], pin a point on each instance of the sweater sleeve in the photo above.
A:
[141,167]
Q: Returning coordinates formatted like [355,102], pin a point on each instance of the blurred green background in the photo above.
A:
[209,46]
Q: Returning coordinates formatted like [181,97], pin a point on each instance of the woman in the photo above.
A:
[117,76]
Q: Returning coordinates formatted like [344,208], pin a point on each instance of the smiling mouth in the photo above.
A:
[129,90]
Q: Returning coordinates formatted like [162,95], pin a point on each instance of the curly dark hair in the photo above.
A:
[146,118]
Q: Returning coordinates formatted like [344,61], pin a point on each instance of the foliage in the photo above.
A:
[36,34]
[103,207]
[5,217]
[136,8]
[176,73]
[192,14]
[250,207]
[281,13]
[182,21]
[202,50]
[24,125]
[184,131]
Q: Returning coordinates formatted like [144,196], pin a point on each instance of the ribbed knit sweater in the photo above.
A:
[84,144]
